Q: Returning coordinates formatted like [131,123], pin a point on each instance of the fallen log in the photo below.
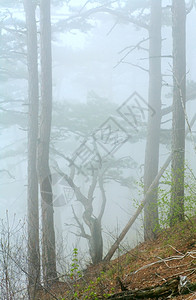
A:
[170,288]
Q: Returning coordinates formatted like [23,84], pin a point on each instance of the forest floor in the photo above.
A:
[149,264]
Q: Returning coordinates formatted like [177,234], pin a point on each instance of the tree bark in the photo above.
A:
[95,241]
[33,100]
[151,221]
[178,124]
[48,233]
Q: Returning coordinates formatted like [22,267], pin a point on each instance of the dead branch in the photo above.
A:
[134,65]
[162,260]
[113,26]
[137,46]
[132,48]
[6,171]
[80,225]
[115,13]
[170,288]
[79,195]
[179,266]
[168,109]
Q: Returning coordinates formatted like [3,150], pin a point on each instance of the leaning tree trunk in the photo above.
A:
[48,233]
[151,221]
[178,125]
[33,99]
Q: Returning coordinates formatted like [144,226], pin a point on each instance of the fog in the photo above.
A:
[93,59]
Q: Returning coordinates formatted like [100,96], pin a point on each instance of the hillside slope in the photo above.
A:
[149,264]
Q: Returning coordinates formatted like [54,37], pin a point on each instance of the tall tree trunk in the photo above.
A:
[33,98]
[178,125]
[151,222]
[48,233]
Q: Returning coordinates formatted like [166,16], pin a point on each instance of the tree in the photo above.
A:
[98,170]
[178,123]
[94,223]
[33,101]
[126,12]
[48,234]
[151,220]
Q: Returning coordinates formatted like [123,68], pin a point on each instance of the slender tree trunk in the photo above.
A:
[48,233]
[151,221]
[33,98]
[178,125]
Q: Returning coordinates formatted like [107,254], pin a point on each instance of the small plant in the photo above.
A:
[92,289]
[164,198]
[75,273]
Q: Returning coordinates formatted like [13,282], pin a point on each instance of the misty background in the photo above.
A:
[88,67]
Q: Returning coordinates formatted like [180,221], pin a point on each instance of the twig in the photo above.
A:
[165,260]
[26,273]
[132,48]
[134,65]
[160,277]
[176,250]
[83,233]
[179,266]
[180,273]
[6,171]
[116,23]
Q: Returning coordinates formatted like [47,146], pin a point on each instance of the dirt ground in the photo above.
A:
[149,264]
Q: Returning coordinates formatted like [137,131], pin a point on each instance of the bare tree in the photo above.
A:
[178,125]
[151,221]
[33,98]
[93,223]
[48,233]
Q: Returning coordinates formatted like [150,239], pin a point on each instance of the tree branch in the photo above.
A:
[134,65]
[168,109]
[83,233]
[119,15]
[132,49]
[92,186]
[103,198]
[79,195]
